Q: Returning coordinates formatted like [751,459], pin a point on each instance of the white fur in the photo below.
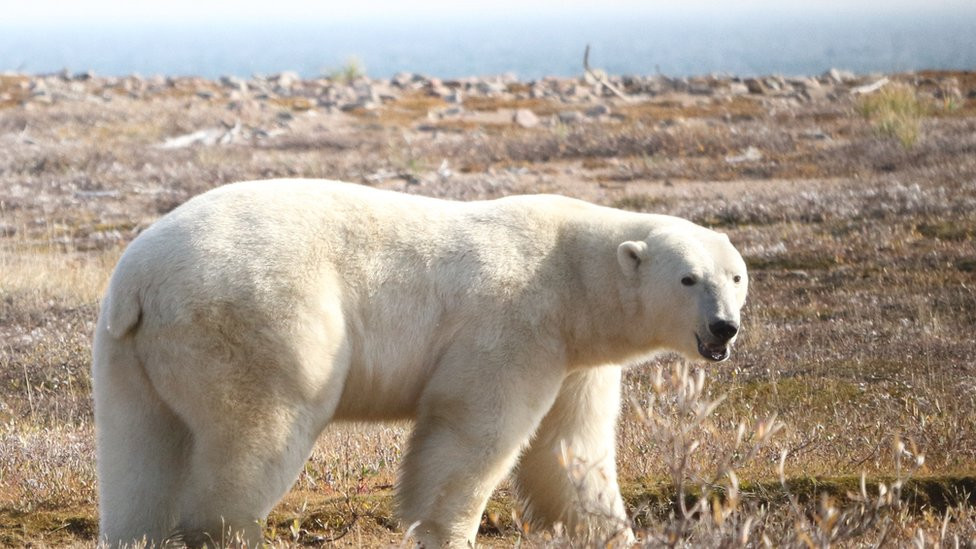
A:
[239,325]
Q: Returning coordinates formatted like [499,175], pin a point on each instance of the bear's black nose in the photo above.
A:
[723,329]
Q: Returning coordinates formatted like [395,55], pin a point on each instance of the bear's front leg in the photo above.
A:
[474,418]
[568,474]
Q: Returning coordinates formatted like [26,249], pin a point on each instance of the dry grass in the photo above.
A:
[858,332]
[895,111]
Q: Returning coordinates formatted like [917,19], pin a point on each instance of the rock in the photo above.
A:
[654,85]
[814,134]
[42,96]
[206,137]
[701,86]
[436,88]
[134,85]
[444,171]
[754,85]
[597,111]
[570,117]
[818,93]
[365,92]
[525,118]
[361,104]
[287,79]
[774,83]
[402,79]
[202,137]
[455,97]
[751,154]
[738,88]
[838,76]
[491,87]
[451,112]
[804,85]
[87,195]
[234,83]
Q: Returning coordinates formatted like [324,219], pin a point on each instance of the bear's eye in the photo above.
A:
[736,279]
[688,281]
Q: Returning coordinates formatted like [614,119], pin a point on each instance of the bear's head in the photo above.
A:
[688,284]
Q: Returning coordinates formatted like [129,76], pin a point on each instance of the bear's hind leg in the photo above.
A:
[583,421]
[142,449]
[239,469]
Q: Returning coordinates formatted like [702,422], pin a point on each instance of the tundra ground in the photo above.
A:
[858,334]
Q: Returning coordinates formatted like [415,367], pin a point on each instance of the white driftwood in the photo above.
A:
[870,88]
[599,77]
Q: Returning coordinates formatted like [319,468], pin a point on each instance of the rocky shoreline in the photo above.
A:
[595,90]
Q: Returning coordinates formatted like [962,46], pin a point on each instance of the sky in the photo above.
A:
[124,11]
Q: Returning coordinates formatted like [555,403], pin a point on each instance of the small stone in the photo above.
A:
[451,112]
[773,83]
[287,79]
[365,105]
[444,172]
[751,154]
[817,93]
[490,87]
[436,88]
[365,92]
[402,79]
[738,88]
[234,83]
[814,134]
[570,117]
[525,118]
[754,85]
[804,83]
[42,96]
[454,97]
[597,111]
[839,77]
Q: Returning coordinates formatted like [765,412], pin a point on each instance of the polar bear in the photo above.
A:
[239,325]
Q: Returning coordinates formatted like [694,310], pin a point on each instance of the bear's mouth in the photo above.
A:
[716,352]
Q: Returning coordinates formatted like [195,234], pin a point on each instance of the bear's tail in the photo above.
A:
[121,307]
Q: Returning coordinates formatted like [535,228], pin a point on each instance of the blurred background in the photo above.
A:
[454,39]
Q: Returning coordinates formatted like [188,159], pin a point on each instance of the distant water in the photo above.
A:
[530,47]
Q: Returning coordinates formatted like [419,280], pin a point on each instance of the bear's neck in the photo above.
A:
[601,310]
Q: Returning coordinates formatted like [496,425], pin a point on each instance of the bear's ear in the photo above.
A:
[631,255]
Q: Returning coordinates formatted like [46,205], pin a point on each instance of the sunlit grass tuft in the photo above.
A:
[895,112]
